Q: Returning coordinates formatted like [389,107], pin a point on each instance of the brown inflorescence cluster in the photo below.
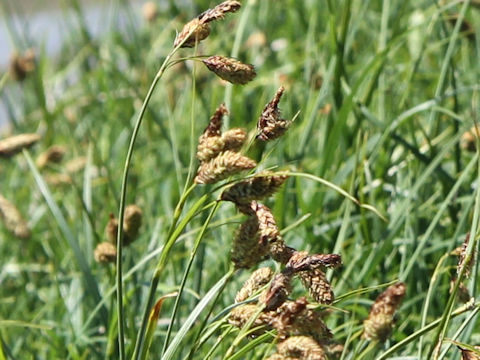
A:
[270,125]
[106,251]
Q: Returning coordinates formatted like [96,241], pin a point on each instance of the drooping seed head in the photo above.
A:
[14,144]
[131,223]
[255,188]
[318,286]
[219,11]
[302,260]
[247,250]
[301,347]
[379,324]
[13,219]
[255,282]
[270,126]
[230,70]
[105,252]
[224,165]
[53,155]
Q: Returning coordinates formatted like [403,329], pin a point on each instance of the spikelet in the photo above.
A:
[267,226]
[469,354]
[234,139]
[240,315]
[259,187]
[53,155]
[230,69]
[131,223]
[209,147]
[224,165]
[198,29]
[215,124]
[379,324]
[302,260]
[111,230]
[294,318]
[302,348]
[278,292]
[105,252]
[22,65]
[318,286]
[255,282]
[14,144]
[13,220]
[247,251]
[270,126]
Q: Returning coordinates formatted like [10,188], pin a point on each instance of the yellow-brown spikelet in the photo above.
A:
[224,165]
[194,31]
[469,354]
[255,188]
[255,282]
[105,252]
[53,155]
[234,139]
[267,226]
[76,164]
[270,126]
[302,260]
[301,348]
[111,230]
[198,29]
[247,251]
[13,219]
[379,324]
[318,286]
[14,144]
[131,223]
[278,292]
[294,318]
[215,124]
[240,315]
[22,65]
[230,69]
[210,147]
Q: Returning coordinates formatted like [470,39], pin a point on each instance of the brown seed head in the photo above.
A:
[219,11]
[234,139]
[209,147]
[462,255]
[105,253]
[240,315]
[131,223]
[13,219]
[270,126]
[255,282]
[230,69]
[194,31]
[302,260]
[301,347]
[267,226]
[53,155]
[278,292]
[215,124]
[379,324]
[255,188]
[318,286]
[22,65]
[111,230]
[247,251]
[14,144]
[224,165]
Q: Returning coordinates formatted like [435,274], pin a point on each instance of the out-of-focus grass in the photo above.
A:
[386,90]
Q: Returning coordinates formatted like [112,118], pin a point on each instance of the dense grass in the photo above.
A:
[385,91]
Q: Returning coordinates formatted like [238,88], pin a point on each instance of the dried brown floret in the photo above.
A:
[13,219]
[224,165]
[255,188]
[302,260]
[247,251]
[255,282]
[240,315]
[22,65]
[105,252]
[318,286]
[215,124]
[302,348]
[379,324]
[294,318]
[270,126]
[53,155]
[230,69]
[469,354]
[131,223]
[278,292]
[14,144]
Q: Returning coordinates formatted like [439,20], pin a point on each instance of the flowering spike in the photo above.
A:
[225,164]
[14,144]
[270,126]
[105,252]
[318,286]
[230,69]
[13,219]
[256,281]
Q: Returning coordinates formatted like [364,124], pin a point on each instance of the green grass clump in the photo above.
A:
[379,157]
